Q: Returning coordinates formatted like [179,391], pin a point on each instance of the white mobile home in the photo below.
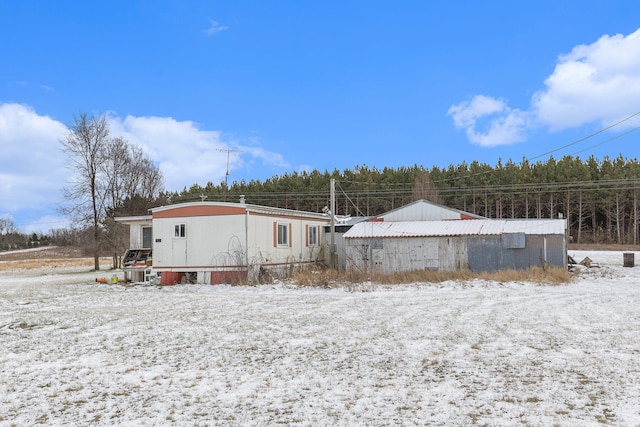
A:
[217,242]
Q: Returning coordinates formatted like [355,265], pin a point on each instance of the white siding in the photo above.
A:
[207,241]
[218,241]
[261,243]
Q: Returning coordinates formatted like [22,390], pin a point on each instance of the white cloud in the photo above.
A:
[31,161]
[501,124]
[593,83]
[33,169]
[185,153]
[267,157]
[596,83]
[214,27]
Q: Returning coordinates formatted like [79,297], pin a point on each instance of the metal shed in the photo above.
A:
[478,245]
[420,210]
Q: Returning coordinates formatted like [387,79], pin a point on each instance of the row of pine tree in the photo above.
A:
[599,198]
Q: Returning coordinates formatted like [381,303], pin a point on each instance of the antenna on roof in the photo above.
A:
[226,176]
[202,197]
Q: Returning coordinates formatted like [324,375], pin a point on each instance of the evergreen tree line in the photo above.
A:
[11,238]
[599,198]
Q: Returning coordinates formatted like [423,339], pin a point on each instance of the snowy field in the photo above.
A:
[76,352]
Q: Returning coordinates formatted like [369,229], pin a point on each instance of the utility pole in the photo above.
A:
[332,249]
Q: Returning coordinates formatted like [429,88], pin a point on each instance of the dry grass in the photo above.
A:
[600,247]
[31,264]
[49,257]
[47,252]
[551,275]
[332,278]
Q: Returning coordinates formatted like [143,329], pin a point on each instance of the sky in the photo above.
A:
[275,87]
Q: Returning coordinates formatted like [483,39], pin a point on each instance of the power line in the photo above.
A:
[608,140]
[400,189]
[588,137]
[563,147]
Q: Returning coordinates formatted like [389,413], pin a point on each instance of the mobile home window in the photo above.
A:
[180,230]
[146,237]
[313,235]
[283,234]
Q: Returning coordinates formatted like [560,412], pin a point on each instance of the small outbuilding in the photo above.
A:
[420,210]
[481,245]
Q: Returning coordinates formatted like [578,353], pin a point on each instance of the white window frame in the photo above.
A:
[180,231]
[282,237]
[314,235]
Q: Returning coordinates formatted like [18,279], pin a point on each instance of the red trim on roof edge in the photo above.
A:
[465,216]
[186,211]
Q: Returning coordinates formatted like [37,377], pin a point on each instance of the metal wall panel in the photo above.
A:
[451,253]
[488,254]
[485,253]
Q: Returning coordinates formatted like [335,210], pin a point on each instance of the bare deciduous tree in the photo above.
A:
[85,145]
[423,188]
[104,173]
[134,185]
[129,173]
[7,226]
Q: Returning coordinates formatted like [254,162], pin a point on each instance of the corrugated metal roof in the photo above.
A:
[485,227]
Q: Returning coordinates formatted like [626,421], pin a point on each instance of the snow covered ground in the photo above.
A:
[77,352]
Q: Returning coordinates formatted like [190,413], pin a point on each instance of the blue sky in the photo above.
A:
[295,85]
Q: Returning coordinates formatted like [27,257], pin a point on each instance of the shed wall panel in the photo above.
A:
[476,253]
[411,254]
[453,253]
[490,254]
[395,255]
[485,253]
